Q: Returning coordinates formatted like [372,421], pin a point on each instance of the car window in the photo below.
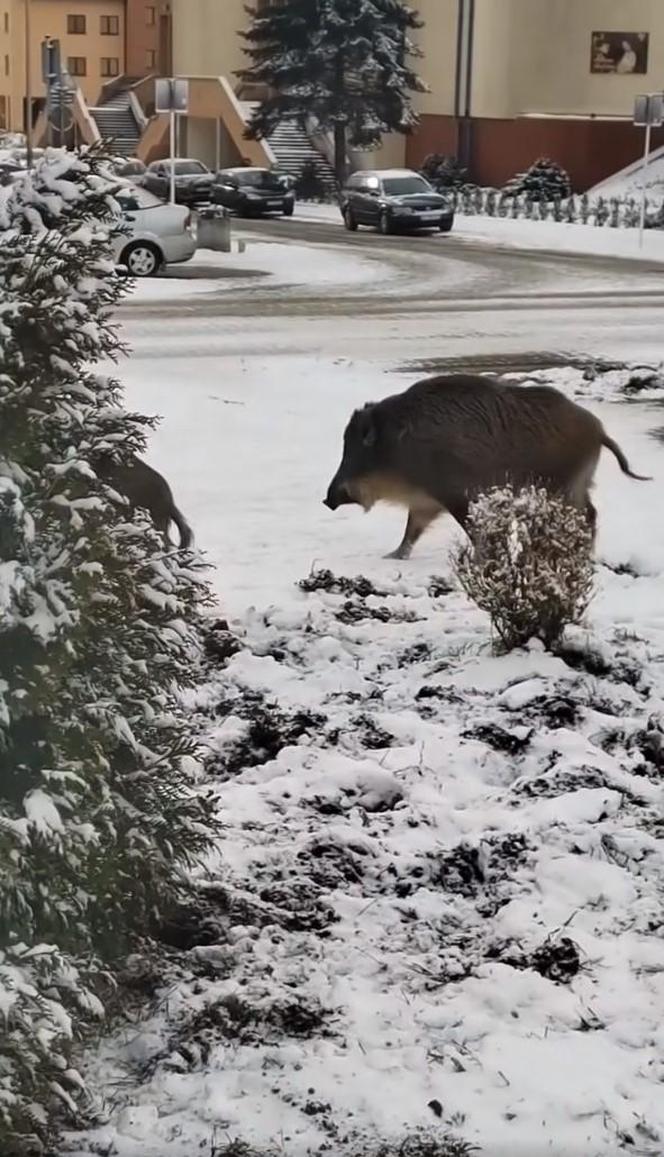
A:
[189,168]
[402,186]
[133,198]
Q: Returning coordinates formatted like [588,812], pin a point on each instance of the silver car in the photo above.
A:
[160,234]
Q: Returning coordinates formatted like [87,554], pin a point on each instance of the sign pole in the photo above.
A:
[172,150]
[28,84]
[644,174]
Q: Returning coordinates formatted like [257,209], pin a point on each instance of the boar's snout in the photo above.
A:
[337,495]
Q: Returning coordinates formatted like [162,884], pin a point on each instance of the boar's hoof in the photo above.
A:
[402,553]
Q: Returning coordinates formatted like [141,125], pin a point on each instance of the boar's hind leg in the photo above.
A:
[419,518]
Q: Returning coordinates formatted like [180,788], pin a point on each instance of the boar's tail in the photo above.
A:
[622,461]
[184,530]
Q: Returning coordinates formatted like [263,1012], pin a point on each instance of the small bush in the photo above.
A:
[545,180]
[444,172]
[528,564]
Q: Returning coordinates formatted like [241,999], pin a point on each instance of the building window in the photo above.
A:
[6,22]
[76,25]
[6,66]
[150,17]
[77,66]
[110,66]
[4,112]
[151,58]
[109,25]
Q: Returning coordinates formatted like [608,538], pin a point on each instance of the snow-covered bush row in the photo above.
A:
[471,200]
[98,627]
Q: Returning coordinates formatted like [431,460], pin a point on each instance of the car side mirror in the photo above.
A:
[373,192]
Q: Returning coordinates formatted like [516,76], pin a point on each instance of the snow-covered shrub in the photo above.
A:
[98,629]
[528,563]
[444,171]
[544,181]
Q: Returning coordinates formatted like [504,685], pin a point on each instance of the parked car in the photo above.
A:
[131,168]
[391,199]
[193,181]
[253,192]
[159,234]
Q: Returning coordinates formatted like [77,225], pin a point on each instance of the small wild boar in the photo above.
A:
[439,444]
[145,487]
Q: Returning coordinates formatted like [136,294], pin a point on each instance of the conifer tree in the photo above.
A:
[99,630]
[342,62]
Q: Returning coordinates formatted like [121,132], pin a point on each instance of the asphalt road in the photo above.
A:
[435,295]
[485,277]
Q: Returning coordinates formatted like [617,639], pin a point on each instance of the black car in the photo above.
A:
[193,181]
[253,192]
[392,199]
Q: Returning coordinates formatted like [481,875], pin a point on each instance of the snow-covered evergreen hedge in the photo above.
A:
[615,212]
[99,627]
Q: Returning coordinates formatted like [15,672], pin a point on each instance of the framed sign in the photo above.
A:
[625,53]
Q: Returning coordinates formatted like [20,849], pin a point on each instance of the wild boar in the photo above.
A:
[439,444]
[145,487]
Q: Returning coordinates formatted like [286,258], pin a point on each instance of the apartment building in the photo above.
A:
[508,80]
[100,40]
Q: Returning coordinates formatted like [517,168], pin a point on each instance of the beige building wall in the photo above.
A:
[101,52]
[205,37]
[533,56]
[438,43]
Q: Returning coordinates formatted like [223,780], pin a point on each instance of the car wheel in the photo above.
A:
[349,220]
[289,210]
[446,225]
[385,224]
[142,258]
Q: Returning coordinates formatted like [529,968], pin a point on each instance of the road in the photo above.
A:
[440,297]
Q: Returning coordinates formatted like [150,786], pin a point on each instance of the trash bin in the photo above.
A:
[214,228]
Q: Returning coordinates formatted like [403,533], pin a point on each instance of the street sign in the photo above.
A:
[648,114]
[50,55]
[172,95]
[649,109]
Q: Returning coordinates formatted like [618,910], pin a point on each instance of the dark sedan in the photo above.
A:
[393,199]
[193,181]
[253,192]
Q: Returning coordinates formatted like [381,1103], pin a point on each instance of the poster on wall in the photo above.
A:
[622,52]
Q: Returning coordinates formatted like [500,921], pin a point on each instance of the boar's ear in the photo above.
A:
[369,429]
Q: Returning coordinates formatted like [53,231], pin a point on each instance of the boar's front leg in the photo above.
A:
[419,518]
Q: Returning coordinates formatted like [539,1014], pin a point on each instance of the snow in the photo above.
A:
[628,182]
[311,266]
[561,237]
[436,824]
[363,824]
[555,236]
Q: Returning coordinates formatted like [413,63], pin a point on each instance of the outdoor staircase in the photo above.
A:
[116,121]
[293,149]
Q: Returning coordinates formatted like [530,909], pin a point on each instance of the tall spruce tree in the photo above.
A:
[99,630]
[342,62]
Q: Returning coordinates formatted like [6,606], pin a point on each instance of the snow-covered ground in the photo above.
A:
[550,235]
[435,904]
[211,272]
[628,182]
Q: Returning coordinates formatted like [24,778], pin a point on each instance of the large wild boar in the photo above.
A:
[439,444]
[145,487]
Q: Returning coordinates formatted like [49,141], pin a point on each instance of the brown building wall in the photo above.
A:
[590,149]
